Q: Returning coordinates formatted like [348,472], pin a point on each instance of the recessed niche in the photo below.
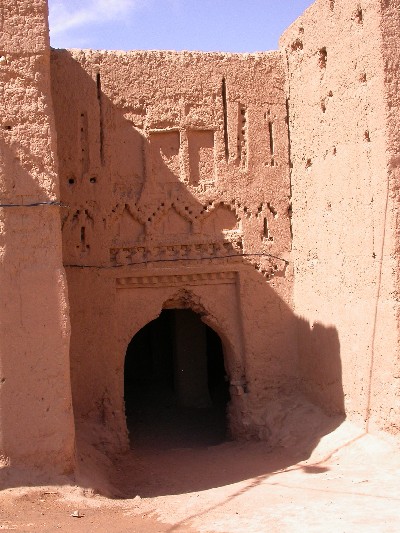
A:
[165,156]
[323,58]
[201,156]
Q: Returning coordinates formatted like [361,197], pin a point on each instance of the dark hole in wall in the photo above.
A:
[359,15]
[323,58]
[176,389]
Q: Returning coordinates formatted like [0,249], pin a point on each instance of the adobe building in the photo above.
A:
[158,206]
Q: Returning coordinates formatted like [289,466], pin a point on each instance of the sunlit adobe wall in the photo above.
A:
[345,200]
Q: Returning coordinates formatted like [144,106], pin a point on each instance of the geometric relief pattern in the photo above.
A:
[173,223]
[130,230]
[78,230]
[221,219]
[210,278]
[175,232]
[176,252]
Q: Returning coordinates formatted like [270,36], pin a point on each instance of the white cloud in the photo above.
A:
[69,14]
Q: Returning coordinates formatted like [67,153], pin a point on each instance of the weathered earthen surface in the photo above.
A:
[385,384]
[344,199]
[36,423]
[257,190]
[175,168]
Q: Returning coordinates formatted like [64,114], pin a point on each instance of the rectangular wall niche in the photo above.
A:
[165,156]
[201,156]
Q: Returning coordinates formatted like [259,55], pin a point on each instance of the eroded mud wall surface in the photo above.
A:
[344,200]
[36,423]
[386,384]
[175,168]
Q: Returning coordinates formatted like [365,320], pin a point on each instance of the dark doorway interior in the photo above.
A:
[176,389]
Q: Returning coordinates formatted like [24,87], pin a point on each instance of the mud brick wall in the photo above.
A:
[175,168]
[258,190]
[342,75]
[36,423]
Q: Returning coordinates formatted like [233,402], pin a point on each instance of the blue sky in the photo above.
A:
[207,25]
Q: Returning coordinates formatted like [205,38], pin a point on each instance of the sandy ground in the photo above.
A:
[350,483]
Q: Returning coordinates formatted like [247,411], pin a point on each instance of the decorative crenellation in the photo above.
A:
[271,268]
[147,214]
[174,230]
[177,252]
[204,278]
[132,208]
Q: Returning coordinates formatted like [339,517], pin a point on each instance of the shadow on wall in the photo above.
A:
[292,419]
[34,336]
[122,213]
[320,367]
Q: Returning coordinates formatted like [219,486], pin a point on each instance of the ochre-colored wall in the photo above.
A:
[386,385]
[344,199]
[259,190]
[36,422]
[173,166]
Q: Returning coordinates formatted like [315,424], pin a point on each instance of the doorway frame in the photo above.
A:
[212,295]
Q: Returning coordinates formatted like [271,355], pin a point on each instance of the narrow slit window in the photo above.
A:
[225,110]
[266,229]
[271,142]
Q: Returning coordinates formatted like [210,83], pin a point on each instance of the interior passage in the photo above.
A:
[176,388]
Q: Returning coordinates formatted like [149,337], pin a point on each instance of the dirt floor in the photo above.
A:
[350,483]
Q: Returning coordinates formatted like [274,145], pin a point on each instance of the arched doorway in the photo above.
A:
[176,388]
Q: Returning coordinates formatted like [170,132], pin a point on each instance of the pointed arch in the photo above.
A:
[220,219]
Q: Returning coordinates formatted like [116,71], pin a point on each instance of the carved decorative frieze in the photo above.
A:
[172,280]
[177,252]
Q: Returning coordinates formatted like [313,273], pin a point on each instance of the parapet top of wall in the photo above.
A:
[334,54]
[180,59]
[26,134]
[336,15]
[24,26]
